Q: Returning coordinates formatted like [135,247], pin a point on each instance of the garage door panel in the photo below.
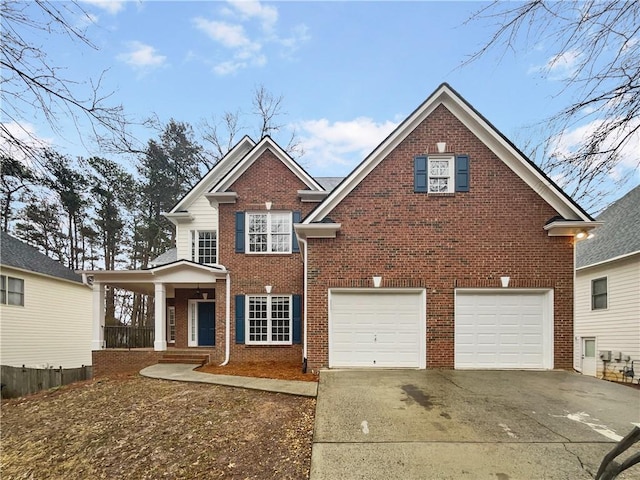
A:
[500,330]
[386,329]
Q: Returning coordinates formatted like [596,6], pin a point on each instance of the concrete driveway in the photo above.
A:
[417,424]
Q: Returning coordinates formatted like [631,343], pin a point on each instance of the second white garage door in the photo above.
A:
[377,328]
[504,329]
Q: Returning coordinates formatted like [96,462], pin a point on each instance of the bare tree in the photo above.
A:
[33,85]
[223,133]
[596,45]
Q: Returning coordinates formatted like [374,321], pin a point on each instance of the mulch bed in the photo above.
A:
[278,370]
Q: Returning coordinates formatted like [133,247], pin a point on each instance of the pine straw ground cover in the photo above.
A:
[141,428]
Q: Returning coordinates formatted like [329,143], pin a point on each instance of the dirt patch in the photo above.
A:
[278,370]
[141,428]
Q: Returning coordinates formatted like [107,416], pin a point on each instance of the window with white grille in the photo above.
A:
[269,319]
[440,172]
[204,247]
[269,232]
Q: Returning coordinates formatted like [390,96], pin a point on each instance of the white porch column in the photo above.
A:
[97,342]
[160,341]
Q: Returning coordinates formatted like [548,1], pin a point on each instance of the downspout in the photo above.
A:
[304,335]
[227,320]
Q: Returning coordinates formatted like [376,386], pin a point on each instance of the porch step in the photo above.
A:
[192,358]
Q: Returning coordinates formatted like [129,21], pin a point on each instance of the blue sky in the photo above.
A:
[349,72]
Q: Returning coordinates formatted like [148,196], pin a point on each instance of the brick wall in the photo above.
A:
[266,180]
[439,241]
[115,361]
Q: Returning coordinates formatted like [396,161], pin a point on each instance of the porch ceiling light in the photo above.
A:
[584,235]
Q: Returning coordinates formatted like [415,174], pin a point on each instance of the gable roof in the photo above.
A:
[619,236]
[265,144]
[17,254]
[479,126]
[214,175]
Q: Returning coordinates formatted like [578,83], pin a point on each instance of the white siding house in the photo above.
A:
[45,310]
[607,308]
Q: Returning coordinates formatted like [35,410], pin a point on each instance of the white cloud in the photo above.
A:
[571,140]
[142,57]
[245,43]
[561,66]
[25,133]
[110,6]
[335,148]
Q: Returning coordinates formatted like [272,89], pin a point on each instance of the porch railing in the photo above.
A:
[117,336]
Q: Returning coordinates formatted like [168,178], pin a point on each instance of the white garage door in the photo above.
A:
[503,330]
[377,329]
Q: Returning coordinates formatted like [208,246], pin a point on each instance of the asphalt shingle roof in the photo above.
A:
[620,234]
[169,256]
[17,254]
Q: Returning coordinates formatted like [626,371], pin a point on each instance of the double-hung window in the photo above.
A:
[599,294]
[11,290]
[441,173]
[269,319]
[203,246]
[269,232]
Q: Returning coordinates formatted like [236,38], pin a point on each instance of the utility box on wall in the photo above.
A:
[605,355]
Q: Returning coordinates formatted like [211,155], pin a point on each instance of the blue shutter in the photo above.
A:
[297,319]
[462,173]
[239,318]
[420,174]
[239,232]
[297,216]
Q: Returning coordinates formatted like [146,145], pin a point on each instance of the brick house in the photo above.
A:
[445,248]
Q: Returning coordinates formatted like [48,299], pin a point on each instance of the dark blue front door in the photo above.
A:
[206,324]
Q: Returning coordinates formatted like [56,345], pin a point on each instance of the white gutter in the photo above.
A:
[304,298]
[227,320]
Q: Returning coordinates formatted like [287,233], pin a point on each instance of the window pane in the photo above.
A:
[600,286]
[15,291]
[590,348]
[257,243]
[280,319]
[3,289]
[599,294]
[438,185]
[258,321]
[257,223]
[439,168]
[207,247]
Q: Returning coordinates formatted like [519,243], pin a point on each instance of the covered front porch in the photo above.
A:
[190,303]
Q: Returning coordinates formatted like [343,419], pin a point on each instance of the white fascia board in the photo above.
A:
[569,228]
[265,144]
[243,147]
[312,196]
[178,217]
[316,230]
[215,269]
[479,127]
[216,198]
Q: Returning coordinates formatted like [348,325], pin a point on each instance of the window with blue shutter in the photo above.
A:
[420,174]
[297,216]
[239,318]
[297,319]
[462,173]
[239,232]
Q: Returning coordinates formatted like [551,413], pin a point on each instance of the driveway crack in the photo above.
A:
[582,465]
[546,426]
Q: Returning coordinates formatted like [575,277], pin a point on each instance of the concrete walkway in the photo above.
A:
[183,372]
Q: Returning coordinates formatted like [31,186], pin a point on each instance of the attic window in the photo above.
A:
[441,173]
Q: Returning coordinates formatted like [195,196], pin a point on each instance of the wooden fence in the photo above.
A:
[122,336]
[19,381]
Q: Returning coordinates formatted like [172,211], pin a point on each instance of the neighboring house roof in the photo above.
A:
[329,183]
[169,256]
[619,235]
[484,131]
[17,254]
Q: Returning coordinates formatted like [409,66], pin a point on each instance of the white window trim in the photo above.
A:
[195,245]
[247,327]
[7,291]
[192,321]
[452,162]
[171,315]
[606,278]
[269,234]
